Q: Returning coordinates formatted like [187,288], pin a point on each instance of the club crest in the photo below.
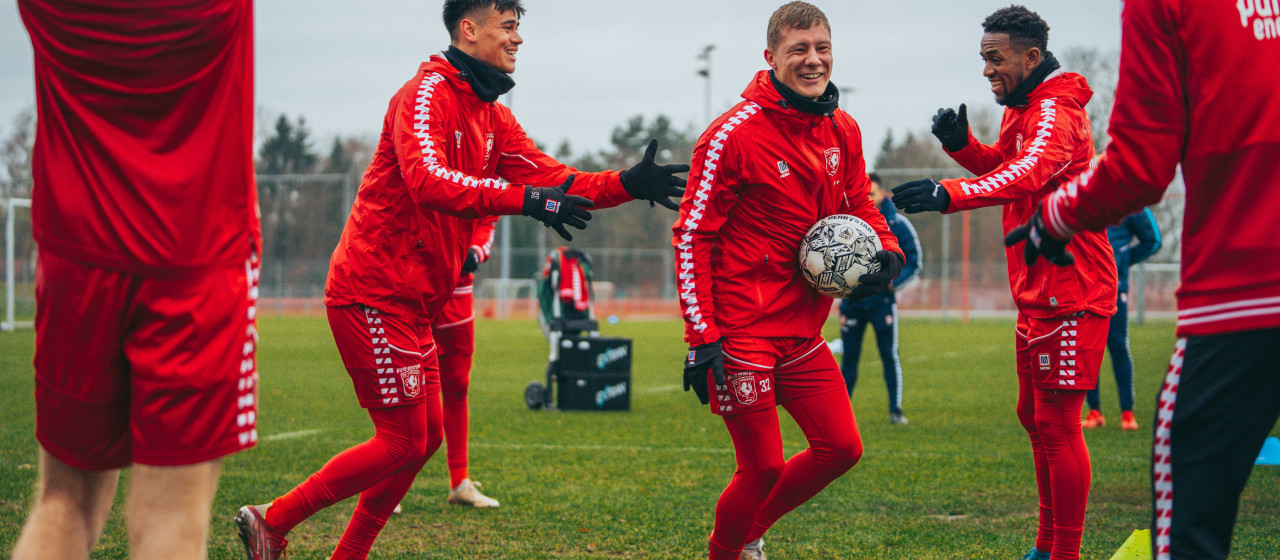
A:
[411,380]
[832,156]
[744,388]
[488,146]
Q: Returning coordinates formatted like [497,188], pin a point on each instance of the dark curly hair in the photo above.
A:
[457,10]
[1025,28]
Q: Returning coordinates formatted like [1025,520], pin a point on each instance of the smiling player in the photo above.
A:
[448,156]
[763,173]
[1044,141]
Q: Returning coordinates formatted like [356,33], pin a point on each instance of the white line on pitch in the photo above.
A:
[290,435]
[660,389]
[639,448]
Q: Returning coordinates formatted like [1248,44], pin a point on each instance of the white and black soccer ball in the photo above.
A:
[836,251]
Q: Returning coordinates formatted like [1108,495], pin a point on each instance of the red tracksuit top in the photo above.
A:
[143,159]
[1197,86]
[761,176]
[1042,144]
[444,158]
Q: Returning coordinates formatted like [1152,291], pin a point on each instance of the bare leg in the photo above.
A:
[168,510]
[70,510]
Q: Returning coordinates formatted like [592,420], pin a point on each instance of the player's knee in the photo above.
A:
[1027,417]
[844,454]
[765,475]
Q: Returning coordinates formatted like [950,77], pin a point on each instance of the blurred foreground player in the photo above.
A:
[880,311]
[1133,240]
[763,173]
[1063,314]
[146,214]
[448,155]
[1190,93]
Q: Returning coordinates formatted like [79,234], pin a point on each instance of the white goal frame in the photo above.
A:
[10,236]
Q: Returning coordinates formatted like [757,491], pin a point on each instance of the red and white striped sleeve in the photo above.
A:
[1052,138]
[708,198]
[433,184]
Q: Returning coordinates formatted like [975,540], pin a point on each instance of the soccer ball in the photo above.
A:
[836,251]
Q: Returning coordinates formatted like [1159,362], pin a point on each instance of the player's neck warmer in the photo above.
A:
[486,81]
[824,105]
[1019,95]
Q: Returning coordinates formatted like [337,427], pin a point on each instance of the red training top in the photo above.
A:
[761,176]
[143,159]
[1043,143]
[443,154]
[1197,87]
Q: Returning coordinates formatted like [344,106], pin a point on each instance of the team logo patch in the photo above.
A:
[553,206]
[1044,362]
[488,146]
[457,139]
[783,170]
[744,388]
[1019,142]
[411,379]
[832,155]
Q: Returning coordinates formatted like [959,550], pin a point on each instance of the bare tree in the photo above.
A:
[1101,69]
[15,154]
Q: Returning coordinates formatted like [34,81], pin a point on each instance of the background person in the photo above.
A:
[1133,241]
[881,310]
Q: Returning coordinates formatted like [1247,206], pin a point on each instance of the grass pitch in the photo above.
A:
[957,482]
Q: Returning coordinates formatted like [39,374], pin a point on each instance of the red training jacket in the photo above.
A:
[761,176]
[444,154]
[1042,144]
[482,242]
[1197,87]
[143,159]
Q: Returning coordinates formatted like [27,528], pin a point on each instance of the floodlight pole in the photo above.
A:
[705,72]
[8,262]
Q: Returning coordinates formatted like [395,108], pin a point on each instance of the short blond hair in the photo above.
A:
[794,15]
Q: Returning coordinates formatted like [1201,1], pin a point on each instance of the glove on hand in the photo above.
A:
[555,207]
[654,183]
[890,266]
[472,262]
[1039,242]
[702,360]
[921,195]
[952,129]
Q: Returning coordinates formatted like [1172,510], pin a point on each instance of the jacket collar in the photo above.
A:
[1021,95]
[764,93]
[487,82]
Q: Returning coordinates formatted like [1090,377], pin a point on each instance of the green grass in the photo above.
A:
[956,483]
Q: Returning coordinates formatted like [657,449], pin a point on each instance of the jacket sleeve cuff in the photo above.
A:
[955,194]
[1058,217]
[508,202]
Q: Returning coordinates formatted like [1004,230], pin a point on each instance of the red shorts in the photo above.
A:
[455,326]
[1062,352]
[766,372]
[157,370]
[391,360]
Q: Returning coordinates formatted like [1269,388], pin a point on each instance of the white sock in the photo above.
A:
[754,545]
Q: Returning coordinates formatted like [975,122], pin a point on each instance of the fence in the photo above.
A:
[964,272]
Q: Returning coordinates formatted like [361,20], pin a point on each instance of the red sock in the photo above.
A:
[1058,421]
[1027,416]
[455,377]
[834,447]
[377,502]
[757,447]
[403,439]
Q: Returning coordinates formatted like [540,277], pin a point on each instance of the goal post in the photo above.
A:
[19,266]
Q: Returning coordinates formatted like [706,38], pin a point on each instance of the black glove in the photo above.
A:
[873,283]
[952,129]
[921,195]
[555,207]
[702,360]
[472,262]
[1039,242]
[654,183]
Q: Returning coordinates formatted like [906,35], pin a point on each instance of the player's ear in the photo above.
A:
[1032,57]
[768,57]
[468,29]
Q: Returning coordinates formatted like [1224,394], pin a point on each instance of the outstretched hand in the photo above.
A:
[921,195]
[1039,242]
[555,207]
[655,183]
[951,128]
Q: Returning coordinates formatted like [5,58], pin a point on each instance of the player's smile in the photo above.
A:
[1004,67]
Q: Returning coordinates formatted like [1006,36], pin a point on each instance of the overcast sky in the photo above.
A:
[588,65]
